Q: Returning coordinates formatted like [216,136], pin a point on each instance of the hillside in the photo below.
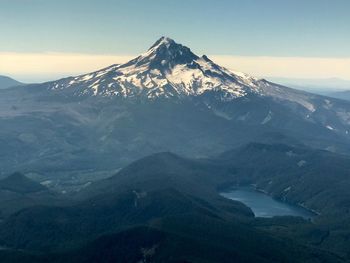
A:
[7,82]
[19,183]
[171,206]
[18,192]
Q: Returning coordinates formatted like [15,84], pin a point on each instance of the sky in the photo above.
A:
[47,39]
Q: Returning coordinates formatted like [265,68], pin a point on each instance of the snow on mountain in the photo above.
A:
[167,70]
[171,70]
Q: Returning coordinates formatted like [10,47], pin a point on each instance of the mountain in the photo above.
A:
[316,179]
[138,194]
[18,192]
[313,178]
[166,70]
[148,244]
[168,99]
[162,208]
[171,70]
[7,82]
[19,183]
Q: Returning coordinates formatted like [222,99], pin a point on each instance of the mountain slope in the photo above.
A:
[163,204]
[18,192]
[318,180]
[300,175]
[139,194]
[192,242]
[19,183]
[7,82]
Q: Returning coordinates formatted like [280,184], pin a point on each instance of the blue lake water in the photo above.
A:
[264,205]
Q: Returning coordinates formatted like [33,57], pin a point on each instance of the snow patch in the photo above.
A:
[267,118]
[301,163]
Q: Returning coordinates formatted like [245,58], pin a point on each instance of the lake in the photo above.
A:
[264,205]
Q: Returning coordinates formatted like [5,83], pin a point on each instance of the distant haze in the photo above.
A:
[47,40]
[322,86]
[39,67]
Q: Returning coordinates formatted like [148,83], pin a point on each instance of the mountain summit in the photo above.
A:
[167,69]
[165,54]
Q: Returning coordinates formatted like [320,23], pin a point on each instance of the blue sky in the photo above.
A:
[253,28]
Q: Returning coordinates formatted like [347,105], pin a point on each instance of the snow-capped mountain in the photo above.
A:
[183,103]
[166,70]
[171,70]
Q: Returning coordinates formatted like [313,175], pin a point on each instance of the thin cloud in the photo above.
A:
[45,66]
[288,67]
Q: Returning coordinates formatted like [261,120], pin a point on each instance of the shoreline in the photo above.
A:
[263,191]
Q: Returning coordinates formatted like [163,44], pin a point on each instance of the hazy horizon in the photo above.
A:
[47,40]
[42,67]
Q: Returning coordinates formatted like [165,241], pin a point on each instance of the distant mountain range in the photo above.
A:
[7,82]
[343,95]
[326,83]
[331,87]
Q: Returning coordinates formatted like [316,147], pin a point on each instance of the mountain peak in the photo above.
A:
[163,41]
[164,54]
[168,70]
